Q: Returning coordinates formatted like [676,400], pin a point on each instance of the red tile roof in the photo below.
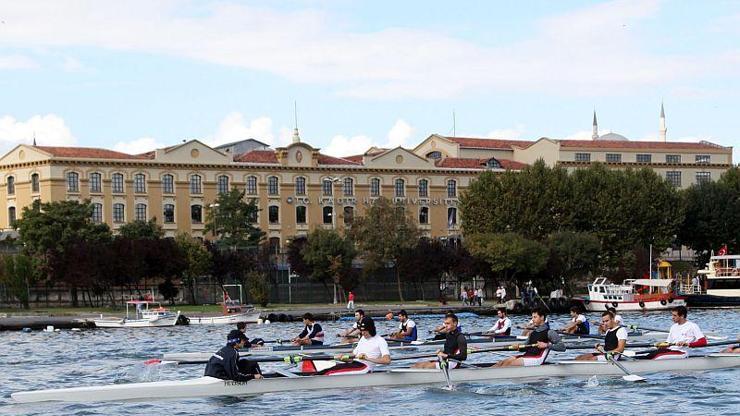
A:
[87,153]
[483,143]
[474,163]
[620,144]
[331,160]
[257,156]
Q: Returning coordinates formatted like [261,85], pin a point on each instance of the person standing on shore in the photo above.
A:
[351,301]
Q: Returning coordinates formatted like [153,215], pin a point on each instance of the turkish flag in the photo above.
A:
[722,251]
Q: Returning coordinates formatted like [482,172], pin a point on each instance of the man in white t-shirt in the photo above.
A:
[615,339]
[683,335]
[371,350]
[407,331]
[578,323]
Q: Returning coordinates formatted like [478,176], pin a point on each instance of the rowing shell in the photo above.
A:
[284,382]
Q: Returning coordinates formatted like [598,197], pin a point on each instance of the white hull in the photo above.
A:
[210,387]
[136,323]
[248,317]
[601,305]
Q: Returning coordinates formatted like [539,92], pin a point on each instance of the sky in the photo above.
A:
[138,75]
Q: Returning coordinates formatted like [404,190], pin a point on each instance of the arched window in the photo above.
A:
[140,212]
[424,215]
[492,163]
[273,214]
[348,187]
[300,214]
[400,188]
[423,188]
[11,185]
[451,188]
[35,183]
[272,185]
[252,185]
[327,187]
[451,217]
[119,213]
[196,214]
[300,186]
[328,215]
[96,182]
[434,155]
[374,187]
[223,184]
[196,184]
[349,215]
[11,216]
[140,183]
[168,213]
[117,183]
[73,182]
[97,214]
[168,184]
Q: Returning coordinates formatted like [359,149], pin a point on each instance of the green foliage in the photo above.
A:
[139,229]
[509,254]
[572,255]
[198,260]
[259,287]
[168,290]
[17,272]
[425,262]
[231,220]
[329,255]
[295,257]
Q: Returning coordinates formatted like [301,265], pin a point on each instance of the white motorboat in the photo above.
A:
[233,312]
[284,381]
[145,316]
[632,295]
[718,284]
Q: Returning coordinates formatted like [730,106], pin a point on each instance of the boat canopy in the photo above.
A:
[653,282]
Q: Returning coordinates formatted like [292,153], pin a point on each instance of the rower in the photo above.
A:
[545,338]
[456,346]
[617,318]
[502,327]
[257,342]
[353,332]
[578,323]
[224,364]
[684,334]
[615,340]
[312,333]
[407,328]
[441,330]
[371,350]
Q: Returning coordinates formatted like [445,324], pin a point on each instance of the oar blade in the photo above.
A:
[634,378]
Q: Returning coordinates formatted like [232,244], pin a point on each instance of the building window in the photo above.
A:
[424,215]
[117,183]
[196,214]
[328,215]
[196,184]
[11,216]
[300,186]
[703,177]
[451,217]
[168,183]
[423,188]
[252,185]
[274,244]
[348,188]
[703,158]
[168,213]
[97,213]
[272,185]
[119,213]
[273,214]
[643,158]
[300,214]
[139,183]
[73,182]
[583,157]
[349,215]
[434,155]
[614,157]
[492,163]
[374,187]
[223,184]
[11,185]
[96,182]
[327,188]
[672,158]
[400,188]
[35,183]
[451,188]
[140,212]
[674,178]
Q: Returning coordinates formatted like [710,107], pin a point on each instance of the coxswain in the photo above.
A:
[502,327]
[455,349]
[371,350]
[312,333]
[615,340]
[354,331]
[683,335]
[542,337]
[225,363]
[407,328]
[257,342]
[578,323]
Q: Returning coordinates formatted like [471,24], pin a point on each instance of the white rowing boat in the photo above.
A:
[284,382]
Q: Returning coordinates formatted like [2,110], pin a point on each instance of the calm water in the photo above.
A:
[66,359]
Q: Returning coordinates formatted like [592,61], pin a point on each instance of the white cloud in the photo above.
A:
[136,146]
[512,133]
[580,135]
[49,130]
[234,127]
[17,62]
[398,135]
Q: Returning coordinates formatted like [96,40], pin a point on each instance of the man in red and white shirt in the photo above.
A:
[502,327]
[684,334]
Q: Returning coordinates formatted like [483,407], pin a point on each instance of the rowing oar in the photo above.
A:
[444,366]
[629,376]
[668,331]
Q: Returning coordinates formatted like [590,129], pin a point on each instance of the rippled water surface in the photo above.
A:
[38,360]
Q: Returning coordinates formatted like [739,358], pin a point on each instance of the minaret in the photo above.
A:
[595,134]
[663,129]
[296,137]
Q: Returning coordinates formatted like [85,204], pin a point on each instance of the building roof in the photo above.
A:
[257,156]
[475,163]
[88,153]
[221,146]
[619,144]
[483,143]
[331,160]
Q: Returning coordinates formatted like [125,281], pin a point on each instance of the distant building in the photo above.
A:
[242,146]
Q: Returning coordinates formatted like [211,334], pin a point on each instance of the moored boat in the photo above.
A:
[284,381]
[233,312]
[718,284]
[632,295]
[145,316]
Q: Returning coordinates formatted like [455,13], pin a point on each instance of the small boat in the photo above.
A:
[233,313]
[719,283]
[284,381]
[632,295]
[145,316]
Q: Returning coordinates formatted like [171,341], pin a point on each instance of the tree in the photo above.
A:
[509,254]
[295,257]
[572,254]
[382,234]
[168,290]
[329,255]
[17,273]
[198,261]
[425,262]
[259,287]
[231,220]
[138,229]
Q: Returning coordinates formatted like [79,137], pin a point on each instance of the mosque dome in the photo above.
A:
[612,137]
